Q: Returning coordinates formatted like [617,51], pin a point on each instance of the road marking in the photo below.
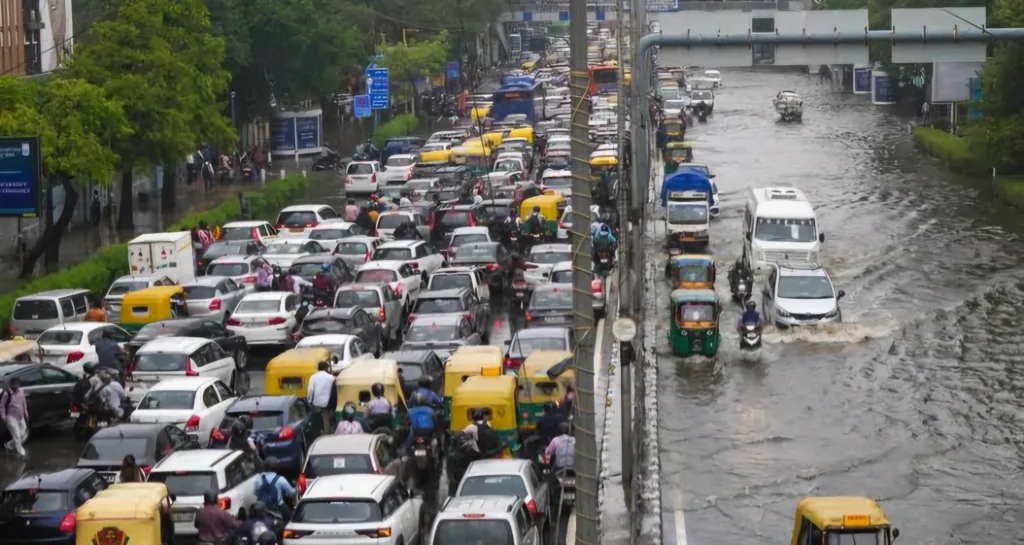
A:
[598,351]
[680,519]
[570,529]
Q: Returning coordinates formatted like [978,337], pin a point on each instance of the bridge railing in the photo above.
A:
[684,5]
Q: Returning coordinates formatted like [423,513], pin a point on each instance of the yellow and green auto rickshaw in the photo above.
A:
[538,387]
[495,395]
[691,272]
[353,385]
[465,362]
[288,373]
[551,208]
[478,159]
[524,131]
[148,305]
[601,166]
[678,152]
[126,514]
[840,519]
[674,130]
[694,323]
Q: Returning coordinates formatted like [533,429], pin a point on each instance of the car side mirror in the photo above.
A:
[747,236]
[712,176]
[766,292]
[508,342]
[840,294]
[821,237]
[547,275]
[895,534]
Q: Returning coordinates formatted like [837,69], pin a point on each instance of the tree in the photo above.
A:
[405,58]
[161,61]
[74,120]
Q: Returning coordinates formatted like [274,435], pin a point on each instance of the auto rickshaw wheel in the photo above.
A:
[241,359]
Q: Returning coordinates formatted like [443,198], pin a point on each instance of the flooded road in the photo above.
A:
[914,400]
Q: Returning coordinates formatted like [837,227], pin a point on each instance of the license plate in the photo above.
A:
[520,294]
[296,229]
[674,251]
[109,477]
[604,261]
[554,319]
[569,496]
[291,383]
[74,414]
[254,324]
[420,452]
[31,336]
[184,516]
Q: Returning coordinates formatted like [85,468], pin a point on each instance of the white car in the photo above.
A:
[467,235]
[388,221]
[356,510]
[399,168]
[451,278]
[348,348]
[362,177]
[242,269]
[558,180]
[174,357]
[197,404]
[503,516]
[357,250]
[266,317]
[565,222]
[509,478]
[675,106]
[188,474]
[127,284]
[798,296]
[329,234]
[260,231]
[379,301]
[296,221]
[404,281]
[348,454]
[544,256]
[72,345]
[417,254]
[284,251]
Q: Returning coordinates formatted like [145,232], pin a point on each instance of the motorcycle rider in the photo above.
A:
[750,316]
[240,438]
[421,419]
[348,424]
[110,354]
[548,425]
[487,438]
[215,525]
[87,386]
[258,523]
[324,284]
[602,235]
[738,273]
[379,409]
[113,395]
[562,449]
[466,197]
[404,199]
[534,224]
[275,492]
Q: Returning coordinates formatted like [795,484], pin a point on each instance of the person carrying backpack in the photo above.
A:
[274,491]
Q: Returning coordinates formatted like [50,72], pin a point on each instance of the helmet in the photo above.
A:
[89,367]
[373,196]
[478,415]
[258,509]
[266,538]
[325,268]
[424,382]
[563,428]
[377,389]
[349,412]
[419,399]
[209,497]
[751,305]
[536,209]
[246,420]
[105,376]
[549,407]
[238,428]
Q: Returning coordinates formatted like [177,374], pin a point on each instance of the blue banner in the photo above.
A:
[361,106]
[660,6]
[377,84]
[307,132]
[20,168]
[527,16]
[862,80]
[884,91]
[599,15]
[563,16]
[453,70]
[282,132]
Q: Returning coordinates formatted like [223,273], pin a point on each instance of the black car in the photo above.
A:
[497,209]
[492,257]
[148,443]
[48,391]
[416,364]
[346,321]
[308,267]
[457,177]
[455,301]
[40,507]
[204,328]
[225,248]
[551,305]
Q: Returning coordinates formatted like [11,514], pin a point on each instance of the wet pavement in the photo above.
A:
[913,400]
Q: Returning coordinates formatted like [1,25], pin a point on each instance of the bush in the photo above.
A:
[953,151]
[111,262]
[402,125]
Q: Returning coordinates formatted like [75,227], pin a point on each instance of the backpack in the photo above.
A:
[268,492]
[421,419]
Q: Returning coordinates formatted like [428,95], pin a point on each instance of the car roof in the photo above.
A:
[470,231]
[490,244]
[252,223]
[359,286]
[336,313]
[304,208]
[497,467]
[78,326]
[286,241]
[542,333]
[452,293]
[480,504]
[407,355]
[65,479]
[321,258]
[797,271]
[349,486]
[130,430]
[234,259]
[331,224]
[401,244]
[358,443]
[54,293]
[440,319]
[363,162]
[173,345]
[389,265]
[267,296]
[455,270]
[183,384]
[403,156]
[253,402]
[206,281]
[555,247]
[366,239]
[199,459]
[325,339]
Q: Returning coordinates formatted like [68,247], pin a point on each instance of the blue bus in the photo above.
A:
[518,97]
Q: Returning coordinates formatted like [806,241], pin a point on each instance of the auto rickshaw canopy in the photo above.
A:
[289,371]
[127,501]
[495,395]
[154,304]
[845,512]
[604,161]
[551,206]
[20,350]
[354,382]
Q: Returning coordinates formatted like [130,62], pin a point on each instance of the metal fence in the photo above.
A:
[684,5]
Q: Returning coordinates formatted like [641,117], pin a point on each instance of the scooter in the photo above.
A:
[750,336]
[328,160]
[741,283]
[92,417]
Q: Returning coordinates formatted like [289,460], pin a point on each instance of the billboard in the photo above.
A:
[705,23]
[20,171]
[883,88]
[661,6]
[862,80]
[933,20]
[951,81]
[842,22]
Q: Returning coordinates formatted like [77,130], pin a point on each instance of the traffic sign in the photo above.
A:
[361,105]
[452,68]
[377,85]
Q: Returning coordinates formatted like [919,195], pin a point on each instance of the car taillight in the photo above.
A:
[513,363]
[492,267]
[412,317]
[256,234]
[224,503]
[190,370]
[397,290]
[373,178]
[313,224]
[287,433]
[561,225]
[75,356]
[415,266]
[146,470]
[472,221]
[532,506]
[11,330]
[382,315]
[375,533]
[215,304]
[234,321]
[216,435]
[301,483]
[276,321]
[408,176]
[251,279]
[467,315]
[67,524]
[193,423]
[295,534]
[528,317]
[279,226]
[596,286]
[369,254]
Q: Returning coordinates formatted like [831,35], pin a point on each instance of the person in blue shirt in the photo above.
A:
[423,387]
[547,425]
[422,424]
[750,316]
[275,492]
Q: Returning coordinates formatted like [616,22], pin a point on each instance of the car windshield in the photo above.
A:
[696,312]
[785,230]
[186,483]
[549,257]
[286,249]
[475,253]
[121,287]
[474,532]
[805,287]
[116,448]
[35,309]
[337,512]
[351,248]
[60,337]
[455,219]
[507,165]
[396,161]
[196,293]
[421,185]
[157,329]
[687,214]
[222,248]
[525,346]
[306,269]
[450,281]
[494,485]
[558,181]
[459,240]
[358,298]
[325,325]
[863,537]
[392,254]
[432,332]
[323,465]
[34,501]
[552,299]
[258,306]
[562,277]
[237,233]
[392,221]
[296,218]
[329,234]
[159,362]
[360,168]
[376,275]
[438,306]
[675,104]
[261,420]
[701,95]
[228,269]
[168,399]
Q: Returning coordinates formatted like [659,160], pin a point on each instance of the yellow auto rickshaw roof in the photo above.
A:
[124,501]
[490,390]
[678,145]
[605,160]
[156,293]
[539,361]
[10,350]
[672,121]
[542,200]
[300,357]
[473,358]
[842,511]
[368,372]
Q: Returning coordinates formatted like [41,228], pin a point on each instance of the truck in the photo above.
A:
[687,197]
[167,254]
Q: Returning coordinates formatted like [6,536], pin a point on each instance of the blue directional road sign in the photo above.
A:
[377,84]
[361,105]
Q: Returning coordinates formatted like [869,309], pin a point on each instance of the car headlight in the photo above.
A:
[710,332]
[702,233]
[833,313]
[782,312]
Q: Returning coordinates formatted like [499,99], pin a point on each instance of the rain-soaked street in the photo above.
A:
[914,400]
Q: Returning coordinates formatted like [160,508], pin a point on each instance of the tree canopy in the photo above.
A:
[407,59]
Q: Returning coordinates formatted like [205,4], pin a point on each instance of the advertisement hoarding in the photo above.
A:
[20,171]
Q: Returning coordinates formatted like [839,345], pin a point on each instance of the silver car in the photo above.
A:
[561,273]
[357,250]
[544,256]
[212,296]
[379,301]
[127,284]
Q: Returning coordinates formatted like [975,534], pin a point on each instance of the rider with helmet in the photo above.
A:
[487,438]
[240,439]
[325,283]
[534,224]
[379,409]
[348,424]
[259,523]
[547,425]
[423,388]
[751,315]
[215,525]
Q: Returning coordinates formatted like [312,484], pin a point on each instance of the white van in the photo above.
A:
[779,226]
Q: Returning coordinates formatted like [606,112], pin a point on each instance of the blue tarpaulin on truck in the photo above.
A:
[686,180]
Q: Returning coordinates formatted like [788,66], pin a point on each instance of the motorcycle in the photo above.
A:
[566,479]
[741,284]
[605,261]
[91,417]
[750,336]
[328,160]
[519,287]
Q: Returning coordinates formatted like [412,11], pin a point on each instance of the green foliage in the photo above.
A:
[111,262]
[74,119]
[953,151]
[161,61]
[424,56]
[402,125]
[1011,188]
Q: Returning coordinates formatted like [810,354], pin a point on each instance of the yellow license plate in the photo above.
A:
[296,229]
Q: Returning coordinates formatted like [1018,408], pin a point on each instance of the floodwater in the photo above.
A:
[915,399]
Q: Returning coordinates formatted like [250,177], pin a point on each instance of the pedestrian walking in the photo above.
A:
[95,208]
[926,114]
[190,168]
[319,396]
[14,410]
[209,175]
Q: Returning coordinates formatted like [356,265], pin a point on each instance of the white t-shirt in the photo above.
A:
[319,390]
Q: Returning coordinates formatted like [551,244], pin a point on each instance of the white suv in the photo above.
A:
[504,519]
[188,474]
[800,296]
[356,510]
[417,254]
[173,357]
